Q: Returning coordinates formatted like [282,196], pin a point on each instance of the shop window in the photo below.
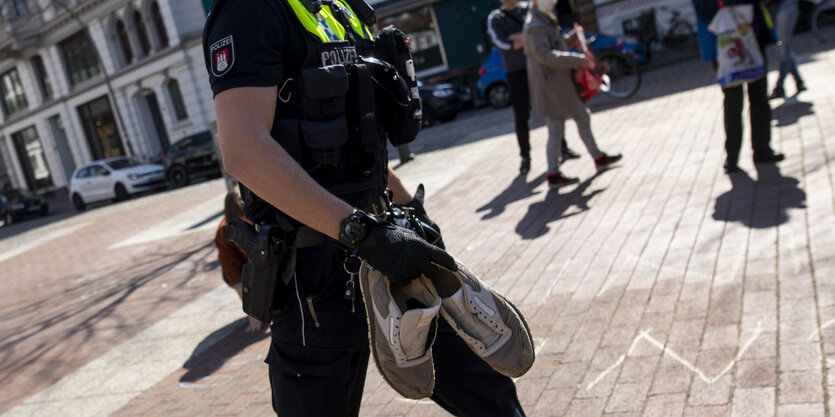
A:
[14,99]
[424,39]
[100,128]
[177,100]
[142,33]
[80,58]
[32,159]
[159,25]
[43,80]
[124,41]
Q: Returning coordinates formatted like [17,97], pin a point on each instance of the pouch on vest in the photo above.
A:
[401,123]
[323,124]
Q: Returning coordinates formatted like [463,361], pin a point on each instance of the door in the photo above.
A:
[32,159]
[99,185]
[100,127]
[154,126]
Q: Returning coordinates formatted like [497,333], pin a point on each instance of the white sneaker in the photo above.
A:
[402,324]
[490,324]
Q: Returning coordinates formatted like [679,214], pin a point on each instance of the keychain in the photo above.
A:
[350,285]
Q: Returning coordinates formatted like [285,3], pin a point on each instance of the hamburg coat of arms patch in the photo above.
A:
[222,53]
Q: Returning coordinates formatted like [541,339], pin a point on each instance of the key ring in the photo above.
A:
[348,260]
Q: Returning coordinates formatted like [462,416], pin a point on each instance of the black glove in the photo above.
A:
[433,233]
[400,254]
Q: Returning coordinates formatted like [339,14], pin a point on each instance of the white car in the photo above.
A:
[113,179]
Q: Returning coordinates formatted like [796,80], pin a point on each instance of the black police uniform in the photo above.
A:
[319,351]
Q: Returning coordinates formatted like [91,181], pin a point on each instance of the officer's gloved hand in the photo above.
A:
[400,254]
[417,209]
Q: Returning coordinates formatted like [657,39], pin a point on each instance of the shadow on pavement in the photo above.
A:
[517,190]
[759,204]
[218,348]
[68,318]
[790,111]
[535,222]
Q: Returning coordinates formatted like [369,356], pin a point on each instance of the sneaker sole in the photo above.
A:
[527,329]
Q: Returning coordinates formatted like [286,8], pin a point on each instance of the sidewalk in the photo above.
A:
[661,287]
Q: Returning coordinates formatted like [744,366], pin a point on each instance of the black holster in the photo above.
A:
[264,276]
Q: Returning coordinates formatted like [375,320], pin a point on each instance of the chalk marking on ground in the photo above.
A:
[17,250]
[819,331]
[556,281]
[620,360]
[684,362]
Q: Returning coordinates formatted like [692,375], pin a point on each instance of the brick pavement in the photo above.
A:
[661,287]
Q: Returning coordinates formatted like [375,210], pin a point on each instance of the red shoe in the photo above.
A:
[603,161]
[558,180]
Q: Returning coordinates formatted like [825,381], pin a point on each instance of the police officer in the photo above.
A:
[298,129]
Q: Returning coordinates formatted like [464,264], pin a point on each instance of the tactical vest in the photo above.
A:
[326,113]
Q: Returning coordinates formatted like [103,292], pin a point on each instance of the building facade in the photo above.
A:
[82,80]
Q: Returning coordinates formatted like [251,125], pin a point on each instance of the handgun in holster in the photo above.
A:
[262,275]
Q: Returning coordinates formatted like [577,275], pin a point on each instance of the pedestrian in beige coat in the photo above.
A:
[553,94]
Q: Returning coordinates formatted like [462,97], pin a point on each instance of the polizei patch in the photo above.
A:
[223,56]
[338,53]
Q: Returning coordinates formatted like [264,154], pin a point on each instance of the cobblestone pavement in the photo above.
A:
[661,287]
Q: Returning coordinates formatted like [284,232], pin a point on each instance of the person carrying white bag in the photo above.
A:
[738,53]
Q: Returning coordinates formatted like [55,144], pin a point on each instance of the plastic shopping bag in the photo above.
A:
[738,53]
[589,82]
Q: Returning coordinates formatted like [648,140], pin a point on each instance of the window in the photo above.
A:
[421,28]
[80,58]
[177,100]
[142,33]
[43,80]
[98,171]
[159,25]
[124,41]
[14,99]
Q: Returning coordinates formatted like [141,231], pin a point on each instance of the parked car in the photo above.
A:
[492,78]
[190,157]
[113,179]
[443,101]
[15,204]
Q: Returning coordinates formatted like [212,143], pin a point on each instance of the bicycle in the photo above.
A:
[677,33]
[823,15]
[623,75]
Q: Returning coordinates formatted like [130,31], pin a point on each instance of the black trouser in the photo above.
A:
[520,99]
[320,371]
[760,116]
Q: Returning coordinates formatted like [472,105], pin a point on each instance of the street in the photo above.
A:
[660,287]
